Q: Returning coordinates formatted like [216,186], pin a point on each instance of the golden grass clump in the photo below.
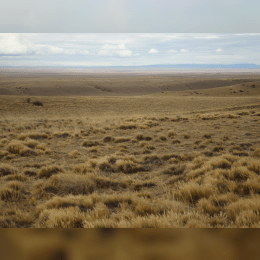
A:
[64,184]
[9,194]
[161,138]
[83,168]
[84,203]
[239,173]
[244,212]
[141,137]
[30,172]
[254,165]
[219,162]
[6,169]
[193,174]
[17,147]
[192,192]
[126,126]
[144,207]
[128,166]
[171,133]
[176,141]
[47,172]
[74,154]
[122,139]
[63,134]
[206,206]
[186,136]
[4,141]
[256,152]
[16,177]
[36,136]
[107,139]
[90,143]
[15,185]
[31,143]
[70,217]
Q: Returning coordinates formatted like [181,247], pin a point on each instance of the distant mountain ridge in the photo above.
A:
[154,66]
[181,66]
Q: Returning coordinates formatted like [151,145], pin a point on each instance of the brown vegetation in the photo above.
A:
[197,168]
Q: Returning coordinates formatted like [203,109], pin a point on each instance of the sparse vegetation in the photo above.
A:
[189,168]
[37,103]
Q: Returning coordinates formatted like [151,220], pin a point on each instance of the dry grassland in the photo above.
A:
[163,160]
[140,244]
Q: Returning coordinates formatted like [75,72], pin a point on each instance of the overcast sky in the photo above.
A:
[129,16]
[127,49]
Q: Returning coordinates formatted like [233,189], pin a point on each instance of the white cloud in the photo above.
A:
[10,44]
[115,50]
[208,37]
[172,51]
[219,50]
[184,50]
[153,51]
[15,44]
[247,34]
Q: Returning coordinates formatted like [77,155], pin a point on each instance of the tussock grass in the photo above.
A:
[128,166]
[30,172]
[47,172]
[6,169]
[36,136]
[61,218]
[171,133]
[127,126]
[16,177]
[74,154]
[108,139]
[10,195]
[131,172]
[37,103]
[122,139]
[19,148]
[141,137]
[90,143]
[254,165]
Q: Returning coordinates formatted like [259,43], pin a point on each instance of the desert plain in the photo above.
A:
[119,149]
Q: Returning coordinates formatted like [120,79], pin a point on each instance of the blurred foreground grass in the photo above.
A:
[145,244]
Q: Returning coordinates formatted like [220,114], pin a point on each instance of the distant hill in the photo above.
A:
[188,66]
[178,66]
[150,67]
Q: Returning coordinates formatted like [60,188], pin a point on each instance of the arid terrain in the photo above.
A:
[126,150]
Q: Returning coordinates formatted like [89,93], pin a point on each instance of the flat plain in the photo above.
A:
[128,149]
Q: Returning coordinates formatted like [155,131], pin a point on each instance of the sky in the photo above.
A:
[127,49]
[124,16]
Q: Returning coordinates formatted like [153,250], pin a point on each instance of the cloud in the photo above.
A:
[219,50]
[17,45]
[172,51]
[247,34]
[153,51]
[115,50]
[184,50]
[10,44]
[208,37]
